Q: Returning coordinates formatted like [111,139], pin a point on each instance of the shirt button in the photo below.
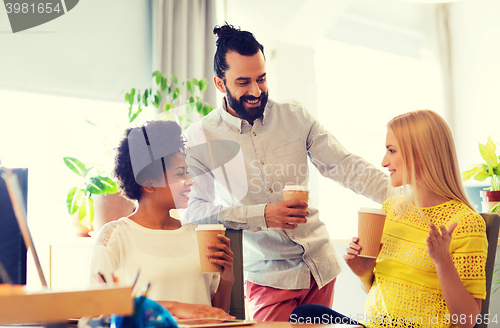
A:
[305,257]
[254,134]
[261,162]
[270,191]
[259,228]
[238,130]
[293,237]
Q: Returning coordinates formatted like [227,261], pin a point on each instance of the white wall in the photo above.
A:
[475,28]
[96,50]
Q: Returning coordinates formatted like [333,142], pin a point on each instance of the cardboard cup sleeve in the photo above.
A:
[370,228]
[207,234]
[296,192]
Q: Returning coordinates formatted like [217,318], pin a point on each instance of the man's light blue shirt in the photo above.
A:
[238,168]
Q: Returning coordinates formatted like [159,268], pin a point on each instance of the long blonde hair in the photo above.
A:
[429,156]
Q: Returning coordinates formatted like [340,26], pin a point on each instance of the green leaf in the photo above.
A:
[203,85]
[90,122]
[139,97]
[156,102]
[145,98]
[191,100]
[95,186]
[110,186]
[176,93]
[129,111]
[174,78]
[158,76]
[168,106]
[488,152]
[75,194]
[163,84]
[190,87]
[466,175]
[126,97]
[207,109]
[196,82]
[139,110]
[199,107]
[86,210]
[75,166]
[481,176]
[131,96]
[496,208]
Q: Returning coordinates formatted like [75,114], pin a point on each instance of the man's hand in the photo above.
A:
[287,214]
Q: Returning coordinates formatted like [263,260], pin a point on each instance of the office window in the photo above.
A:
[359,91]
[37,131]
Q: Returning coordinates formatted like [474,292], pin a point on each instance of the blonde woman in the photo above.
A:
[430,270]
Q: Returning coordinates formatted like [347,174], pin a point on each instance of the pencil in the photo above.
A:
[115,279]
[146,290]
[102,277]
[136,278]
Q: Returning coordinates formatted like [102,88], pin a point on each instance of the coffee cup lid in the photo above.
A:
[296,187]
[372,210]
[210,227]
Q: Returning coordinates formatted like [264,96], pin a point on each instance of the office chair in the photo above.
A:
[237,293]
[492,226]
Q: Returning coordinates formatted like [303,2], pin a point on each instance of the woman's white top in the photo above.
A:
[167,259]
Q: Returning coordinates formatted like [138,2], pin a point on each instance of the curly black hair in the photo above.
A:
[230,38]
[141,152]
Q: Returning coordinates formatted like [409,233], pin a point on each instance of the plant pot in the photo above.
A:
[110,207]
[81,228]
[490,199]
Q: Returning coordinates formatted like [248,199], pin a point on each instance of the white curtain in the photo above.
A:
[183,42]
[445,54]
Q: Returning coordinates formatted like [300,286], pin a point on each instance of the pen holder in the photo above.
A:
[147,314]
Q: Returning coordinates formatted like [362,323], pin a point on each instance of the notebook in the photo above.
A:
[213,322]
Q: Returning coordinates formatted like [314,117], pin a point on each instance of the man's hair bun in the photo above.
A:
[225,29]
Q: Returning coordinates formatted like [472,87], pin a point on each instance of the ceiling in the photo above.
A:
[304,21]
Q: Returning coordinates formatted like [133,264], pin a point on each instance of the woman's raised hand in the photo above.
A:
[438,244]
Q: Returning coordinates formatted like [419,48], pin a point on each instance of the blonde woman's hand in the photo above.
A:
[438,244]
[360,266]
[223,256]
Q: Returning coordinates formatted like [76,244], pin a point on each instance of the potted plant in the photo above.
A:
[489,169]
[181,102]
[79,198]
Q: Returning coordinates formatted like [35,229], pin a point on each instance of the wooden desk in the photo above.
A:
[270,324]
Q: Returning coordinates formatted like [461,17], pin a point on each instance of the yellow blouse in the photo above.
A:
[406,290]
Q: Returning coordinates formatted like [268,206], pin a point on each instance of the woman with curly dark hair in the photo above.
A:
[151,169]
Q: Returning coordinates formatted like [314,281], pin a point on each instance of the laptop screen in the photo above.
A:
[13,251]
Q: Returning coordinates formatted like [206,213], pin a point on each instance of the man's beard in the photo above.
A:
[250,114]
